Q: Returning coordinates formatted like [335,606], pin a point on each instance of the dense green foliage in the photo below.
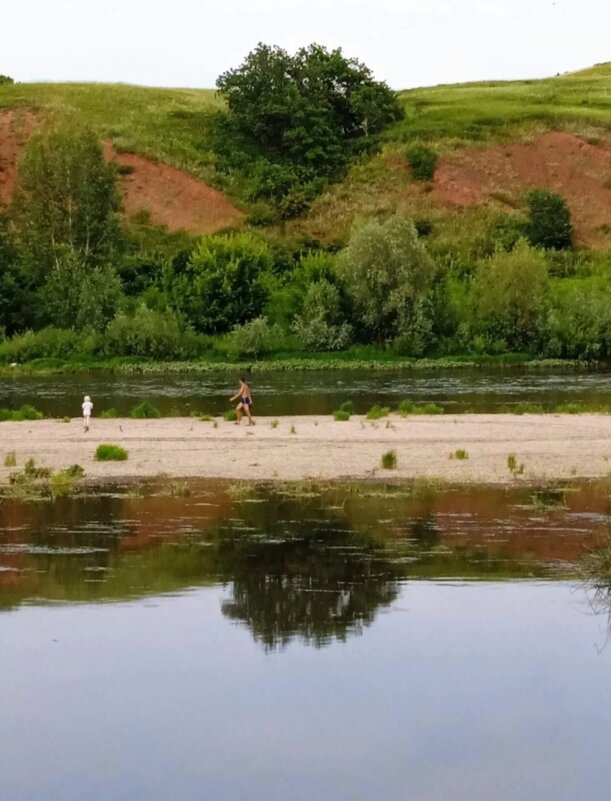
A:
[422,160]
[389,275]
[221,285]
[509,299]
[549,220]
[67,201]
[110,453]
[77,283]
[294,121]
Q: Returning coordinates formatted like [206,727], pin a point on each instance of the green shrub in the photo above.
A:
[515,468]
[390,277]
[347,406]
[10,460]
[254,338]
[423,161]
[221,285]
[509,299]
[31,471]
[6,79]
[377,412]
[145,411]
[569,408]
[341,415]
[525,407]
[75,471]
[321,326]
[230,415]
[26,412]
[389,460]
[110,453]
[149,333]
[48,343]
[206,418]
[580,318]
[109,414]
[407,407]
[549,220]
[461,454]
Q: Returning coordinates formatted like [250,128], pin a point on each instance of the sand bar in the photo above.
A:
[550,447]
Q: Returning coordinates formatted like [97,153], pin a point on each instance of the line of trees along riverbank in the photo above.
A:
[78,282]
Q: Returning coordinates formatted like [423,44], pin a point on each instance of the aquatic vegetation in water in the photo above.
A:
[548,497]
[176,488]
[110,453]
[34,481]
[389,460]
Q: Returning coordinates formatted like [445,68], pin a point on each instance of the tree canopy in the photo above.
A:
[311,112]
[390,276]
[67,200]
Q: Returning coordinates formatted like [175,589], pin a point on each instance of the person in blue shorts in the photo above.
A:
[244,403]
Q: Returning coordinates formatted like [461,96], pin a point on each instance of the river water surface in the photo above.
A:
[311,392]
[228,642]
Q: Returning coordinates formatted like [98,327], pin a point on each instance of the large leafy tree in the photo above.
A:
[390,277]
[67,200]
[510,299]
[14,291]
[310,113]
[222,285]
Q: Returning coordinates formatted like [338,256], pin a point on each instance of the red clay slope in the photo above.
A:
[579,170]
[172,197]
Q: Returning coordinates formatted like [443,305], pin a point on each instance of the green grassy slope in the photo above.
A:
[171,125]
[166,124]
[474,111]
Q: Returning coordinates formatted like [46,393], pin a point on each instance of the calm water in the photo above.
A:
[316,392]
[305,643]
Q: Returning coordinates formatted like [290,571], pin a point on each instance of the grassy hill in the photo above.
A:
[479,111]
[171,125]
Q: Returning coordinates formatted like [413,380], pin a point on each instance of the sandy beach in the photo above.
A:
[317,447]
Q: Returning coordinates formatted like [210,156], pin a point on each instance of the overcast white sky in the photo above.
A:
[406,42]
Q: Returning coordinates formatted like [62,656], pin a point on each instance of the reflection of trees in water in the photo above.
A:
[318,587]
[597,580]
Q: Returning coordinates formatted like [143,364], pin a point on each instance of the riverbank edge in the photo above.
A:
[131,366]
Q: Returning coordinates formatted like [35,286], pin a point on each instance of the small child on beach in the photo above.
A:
[87,407]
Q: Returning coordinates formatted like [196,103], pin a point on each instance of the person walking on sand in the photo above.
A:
[244,404]
[87,408]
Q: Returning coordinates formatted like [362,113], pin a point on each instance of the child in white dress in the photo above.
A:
[87,407]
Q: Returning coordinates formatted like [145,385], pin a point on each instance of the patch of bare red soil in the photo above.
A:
[172,197]
[15,129]
[562,162]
